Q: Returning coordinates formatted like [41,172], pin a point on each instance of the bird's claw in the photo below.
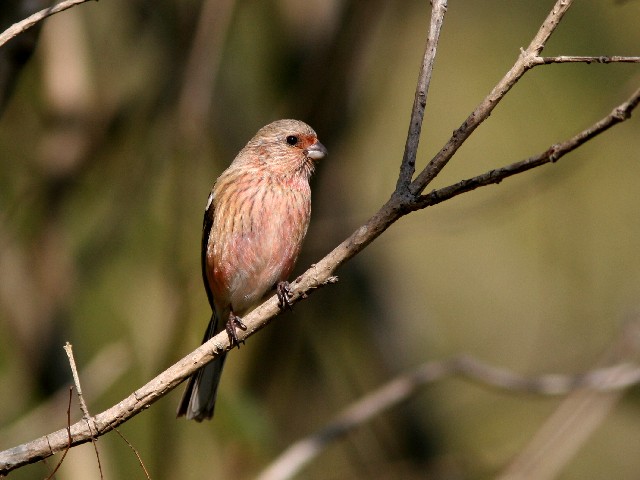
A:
[233,323]
[283,292]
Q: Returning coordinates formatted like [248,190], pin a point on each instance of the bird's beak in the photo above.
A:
[316,151]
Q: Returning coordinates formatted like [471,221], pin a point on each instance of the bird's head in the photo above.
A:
[286,147]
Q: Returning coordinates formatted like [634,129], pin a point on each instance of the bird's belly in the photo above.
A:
[262,262]
[260,251]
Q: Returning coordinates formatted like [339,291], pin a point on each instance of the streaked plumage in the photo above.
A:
[255,221]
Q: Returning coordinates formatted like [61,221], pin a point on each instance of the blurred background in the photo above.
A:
[116,118]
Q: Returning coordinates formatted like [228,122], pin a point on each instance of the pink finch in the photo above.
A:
[256,218]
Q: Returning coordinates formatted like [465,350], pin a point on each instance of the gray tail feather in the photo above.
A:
[199,398]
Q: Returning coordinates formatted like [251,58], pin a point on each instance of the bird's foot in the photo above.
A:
[233,323]
[283,292]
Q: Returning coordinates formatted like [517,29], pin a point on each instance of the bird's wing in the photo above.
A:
[206,233]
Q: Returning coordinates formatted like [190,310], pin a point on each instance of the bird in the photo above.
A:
[255,221]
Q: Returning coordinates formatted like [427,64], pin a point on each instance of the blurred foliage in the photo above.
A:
[127,112]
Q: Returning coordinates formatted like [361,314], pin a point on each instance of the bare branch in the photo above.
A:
[619,114]
[322,273]
[571,424]
[578,59]
[139,400]
[68,348]
[614,378]
[548,26]
[100,374]
[484,109]
[19,27]
[408,165]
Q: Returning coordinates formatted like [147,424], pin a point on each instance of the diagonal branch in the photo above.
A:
[619,114]
[322,273]
[613,378]
[484,109]
[24,25]
[577,417]
[583,59]
[318,275]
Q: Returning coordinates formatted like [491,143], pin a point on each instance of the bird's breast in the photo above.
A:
[257,233]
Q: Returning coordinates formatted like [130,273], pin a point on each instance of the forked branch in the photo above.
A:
[405,199]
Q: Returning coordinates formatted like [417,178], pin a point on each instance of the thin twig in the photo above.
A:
[103,370]
[484,109]
[578,59]
[573,422]
[614,378]
[68,348]
[19,27]
[146,473]
[408,165]
[619,114]
[83,405]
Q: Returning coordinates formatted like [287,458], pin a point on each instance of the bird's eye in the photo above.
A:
[292,140]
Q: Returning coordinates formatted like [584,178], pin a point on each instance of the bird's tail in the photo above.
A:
[199,398]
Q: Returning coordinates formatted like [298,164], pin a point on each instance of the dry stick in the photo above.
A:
[408,165]
[146,473]
[318,275]
[588,60]
[68,348]
[99,375]
[619,114]
[289,463]
[576,418]
[155,389]
[525,62]
[24,25]
[484,109]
